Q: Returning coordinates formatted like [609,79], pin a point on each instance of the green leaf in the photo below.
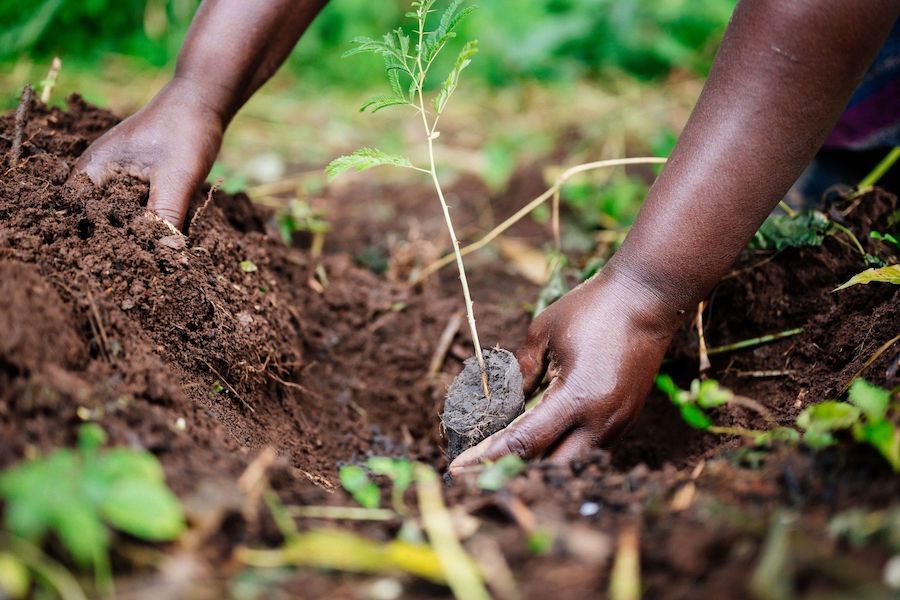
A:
[710,394]
[452,82]
[496,474]
[870,399]
[358,484]
[91,437]
[540,541]
[817,439]
[364,158]
[248,266]
[889,274]
[694,416]
[445,31]
[399,470]
[828,416]
[144,509]
[885,237]
[377,103]
[81,531]
[781,231]
[884,437]
[667,386]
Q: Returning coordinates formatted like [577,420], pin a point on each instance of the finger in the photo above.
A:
[532,358]
[170,194]
[575,445]
[530,435]
[97,170]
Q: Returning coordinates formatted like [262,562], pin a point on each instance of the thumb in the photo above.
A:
[170,194]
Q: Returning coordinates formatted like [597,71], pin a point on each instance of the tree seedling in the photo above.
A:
[866,416]
[468,416]
[408,63]
[80,495]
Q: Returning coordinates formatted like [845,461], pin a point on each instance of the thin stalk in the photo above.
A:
[739,431]
[850,235]
[528,208]
[429,134]
[758,341]
[880,169]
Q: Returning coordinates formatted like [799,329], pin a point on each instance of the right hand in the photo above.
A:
[172,143]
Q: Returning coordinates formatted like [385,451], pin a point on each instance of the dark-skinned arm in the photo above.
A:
[231,49]
[783,74]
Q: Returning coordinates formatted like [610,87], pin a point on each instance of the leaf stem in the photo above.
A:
[758,341]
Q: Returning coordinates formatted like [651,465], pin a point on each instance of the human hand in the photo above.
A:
[601,345]
[171,142]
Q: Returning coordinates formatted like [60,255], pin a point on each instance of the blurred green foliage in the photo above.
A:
[536,39]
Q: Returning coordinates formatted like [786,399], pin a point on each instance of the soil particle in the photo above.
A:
[468,416]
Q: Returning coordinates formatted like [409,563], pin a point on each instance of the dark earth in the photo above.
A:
[106,314]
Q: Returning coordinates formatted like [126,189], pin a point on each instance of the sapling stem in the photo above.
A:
[430,134]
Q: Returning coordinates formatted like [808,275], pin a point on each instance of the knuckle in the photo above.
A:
[520,443]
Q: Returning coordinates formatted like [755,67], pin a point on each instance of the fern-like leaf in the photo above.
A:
[445,31]
[450,84]
[365,158]
[377,103]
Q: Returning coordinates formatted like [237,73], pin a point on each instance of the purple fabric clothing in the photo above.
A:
[872,118]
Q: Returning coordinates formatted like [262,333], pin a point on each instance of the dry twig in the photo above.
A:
[19,125]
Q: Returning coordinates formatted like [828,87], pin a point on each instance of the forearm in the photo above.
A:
[782,76]
[234,46]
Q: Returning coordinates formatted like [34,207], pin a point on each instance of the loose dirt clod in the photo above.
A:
[468,416]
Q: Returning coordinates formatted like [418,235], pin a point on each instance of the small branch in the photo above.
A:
[212,190]
[881,350]
[758,341]
[19,120]
[528,208]
[49,82]
[228,385]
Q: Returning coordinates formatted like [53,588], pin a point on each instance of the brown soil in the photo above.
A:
[106,314]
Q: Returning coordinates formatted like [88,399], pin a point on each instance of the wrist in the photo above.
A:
[647,306]
[212,103]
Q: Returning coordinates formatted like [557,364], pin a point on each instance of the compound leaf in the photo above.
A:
[364,158]
[463,60]
[376,103]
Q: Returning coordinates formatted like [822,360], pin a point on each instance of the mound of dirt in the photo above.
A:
[207,347]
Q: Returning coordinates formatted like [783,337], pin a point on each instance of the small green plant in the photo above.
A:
[703,396]
[885,237]
[496,474]
[81,494]
[400,471]
[408,63]
[298,216]
[357,483]
[248,266]
[866,416]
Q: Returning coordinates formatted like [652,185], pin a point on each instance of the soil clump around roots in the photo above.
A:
[469,416]
[108,315]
